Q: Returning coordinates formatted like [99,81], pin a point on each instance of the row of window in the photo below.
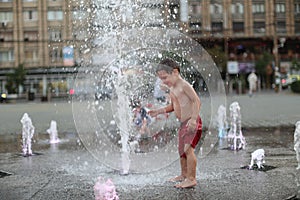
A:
[258,27]
[238,8]
[55,55]
[31,15]
[56,34]
[195,9]
[25,0]
[53,35]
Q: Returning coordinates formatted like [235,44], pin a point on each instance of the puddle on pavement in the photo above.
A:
[3,174]
[12,143]
[33,154]
[265,168]
[270,137]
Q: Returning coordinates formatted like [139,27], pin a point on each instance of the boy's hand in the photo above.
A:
[153,113]
[192,125]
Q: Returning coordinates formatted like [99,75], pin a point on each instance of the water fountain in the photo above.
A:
[27,134]
[258,156]
[124,119]
[222,121]
[297,149]
[105,190]
[235,137]
[52,131]
[113,59]
[297,142]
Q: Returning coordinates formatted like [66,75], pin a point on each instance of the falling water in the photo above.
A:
[297,149]
[236,139]
[123,116]
[53,132]
[222,121]
[121,34]
[27,134]
[258,156]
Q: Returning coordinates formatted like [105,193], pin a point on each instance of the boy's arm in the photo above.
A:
[195,100]
[166,109]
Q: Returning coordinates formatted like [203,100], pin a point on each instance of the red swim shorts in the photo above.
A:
[186,137]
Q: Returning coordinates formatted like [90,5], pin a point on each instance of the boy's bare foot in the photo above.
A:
[177,178]
[186,184]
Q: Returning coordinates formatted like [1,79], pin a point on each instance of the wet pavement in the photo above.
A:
[68,171]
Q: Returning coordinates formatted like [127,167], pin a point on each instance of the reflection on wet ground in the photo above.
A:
[67,171]
[258,137]
[12,143]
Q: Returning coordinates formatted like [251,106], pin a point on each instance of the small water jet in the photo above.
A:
[27,134]
[297,149]
[297,142]
[124,119]
[222,121]
[52,131]
[258,156]
[235,137]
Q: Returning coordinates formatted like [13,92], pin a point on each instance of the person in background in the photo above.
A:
[252,80]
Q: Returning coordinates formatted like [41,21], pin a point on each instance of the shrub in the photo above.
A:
[295,86]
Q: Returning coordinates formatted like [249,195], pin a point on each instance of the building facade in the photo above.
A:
[49,36]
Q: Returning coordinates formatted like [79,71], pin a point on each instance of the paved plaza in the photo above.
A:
[68,171]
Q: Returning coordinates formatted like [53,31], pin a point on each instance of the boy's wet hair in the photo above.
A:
[168,65]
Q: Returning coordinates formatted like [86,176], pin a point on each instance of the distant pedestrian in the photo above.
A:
[252,80]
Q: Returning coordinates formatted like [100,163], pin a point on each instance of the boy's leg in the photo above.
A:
[183,165]
[191,165]
[183,160]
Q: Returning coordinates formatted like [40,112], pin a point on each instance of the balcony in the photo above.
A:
[30,24]
[6,4]
[238,16]
[216,17]
[30,4]
[57,3]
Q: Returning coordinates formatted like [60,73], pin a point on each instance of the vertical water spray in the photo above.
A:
[123,117]
[222,121]
[131,36]
[235,136]
[297,149]
[52,131]
[27,134]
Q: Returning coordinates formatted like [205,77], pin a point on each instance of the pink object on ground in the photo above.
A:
[105,190]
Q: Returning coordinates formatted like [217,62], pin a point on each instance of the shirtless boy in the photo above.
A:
[186,105]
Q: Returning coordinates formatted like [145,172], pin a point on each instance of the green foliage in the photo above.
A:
[295,65]
[295,86]
[15,79]
[262,62]
[219,57]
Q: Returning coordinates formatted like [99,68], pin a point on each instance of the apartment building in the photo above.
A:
[49,36]
[39,35]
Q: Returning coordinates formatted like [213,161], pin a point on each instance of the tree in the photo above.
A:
[295,65]
[262,63]
[219,57]
[15,79]
[263,68]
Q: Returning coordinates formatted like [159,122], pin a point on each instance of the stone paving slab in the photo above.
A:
[68,171]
